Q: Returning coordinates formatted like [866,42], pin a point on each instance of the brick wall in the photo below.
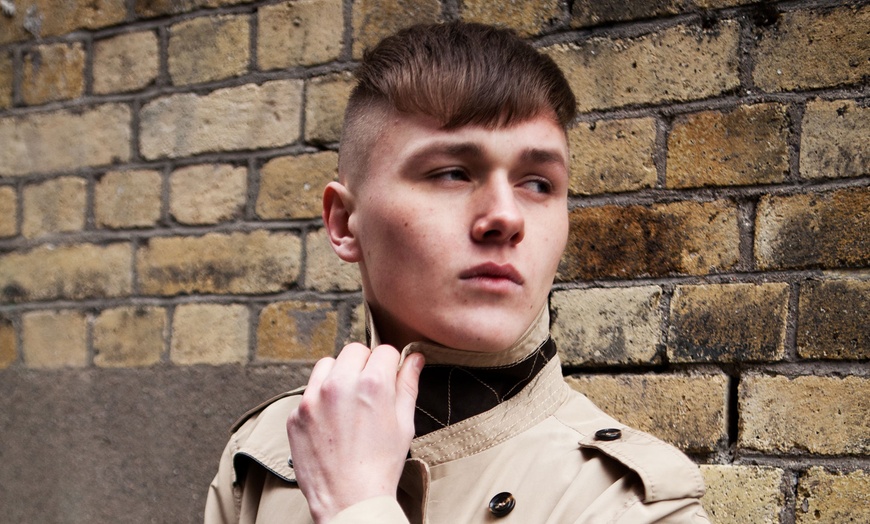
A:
[162,266]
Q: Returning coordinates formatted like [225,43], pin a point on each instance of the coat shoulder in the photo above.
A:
[665,472]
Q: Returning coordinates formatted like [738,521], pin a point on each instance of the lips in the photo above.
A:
[493,271]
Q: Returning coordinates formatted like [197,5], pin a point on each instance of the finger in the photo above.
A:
[384,363]
[320,371]
[352,359]
[407,384]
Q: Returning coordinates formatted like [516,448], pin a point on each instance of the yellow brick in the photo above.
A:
[8,212]
[207,194]
[73,272]
[612,156]
[209,48]
[209,334]
[325,102]
[680,63]
[807,414]
[7,77]
[744,146]
[8,343]
[687,411]
[743,494]
[149,8]
[129,337]
[811,49]
[301,32]
[375,19]
[607,326]
[53,72]
[64,140]
[527,17]
[290,331]
[246,117]
[292,186]
[833,140]
[54,339]
[324,271]
[247,263]
[833,498]
[54,206]
[128,199]
[833,317]
[125,62]
[51,17]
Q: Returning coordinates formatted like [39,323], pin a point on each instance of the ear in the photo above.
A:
[338,206]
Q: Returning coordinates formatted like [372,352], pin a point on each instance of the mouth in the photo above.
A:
[491,271]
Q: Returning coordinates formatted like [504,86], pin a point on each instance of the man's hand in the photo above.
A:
[352,430]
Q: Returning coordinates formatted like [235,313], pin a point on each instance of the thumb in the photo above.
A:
[407,382]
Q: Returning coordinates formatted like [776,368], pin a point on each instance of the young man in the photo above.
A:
[452,198]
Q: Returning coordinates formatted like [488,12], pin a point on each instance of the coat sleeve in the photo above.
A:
[222,502]
[376,510]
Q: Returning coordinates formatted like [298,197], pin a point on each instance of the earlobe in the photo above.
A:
[338,206]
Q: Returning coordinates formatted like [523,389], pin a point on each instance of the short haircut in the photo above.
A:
[457,73]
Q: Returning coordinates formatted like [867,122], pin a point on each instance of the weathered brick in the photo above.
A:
[728,323]
[125,62]
[209,48]
[8,343]
[743,494]
[54,339]
[687,411]
[663,239]
[8,212]
[832,498]
[246,117]
[296,331]
[292,186]
[810,49]
[607,326]
[258,262]
[833,140]
[209,334]
[298,33]
[834,319]
[39,18]
[376,19]
[357,331]
[129,337]
[808,414]
[53,72]
[325,102]
[54,206]
[611,156]
[680,63]
[128,199]
[324,271]
[72,272]
[827,230]
[584,14]
[744,146]
[149,8]
[64,140]
[7,78]
[207,194]
[527,17]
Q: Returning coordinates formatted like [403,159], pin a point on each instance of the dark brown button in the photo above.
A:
[608,434]
[502,504]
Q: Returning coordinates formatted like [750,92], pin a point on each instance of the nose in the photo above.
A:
[498,217]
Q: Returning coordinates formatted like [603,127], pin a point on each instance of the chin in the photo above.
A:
[481,337]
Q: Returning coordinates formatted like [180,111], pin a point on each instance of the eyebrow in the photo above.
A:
[470,149]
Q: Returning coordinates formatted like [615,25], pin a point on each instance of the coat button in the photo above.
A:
[290,462]
[502,504]
[608,434]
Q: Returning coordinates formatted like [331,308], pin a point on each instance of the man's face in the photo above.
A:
[460,231]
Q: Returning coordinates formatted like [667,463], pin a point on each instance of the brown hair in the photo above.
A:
[458,73]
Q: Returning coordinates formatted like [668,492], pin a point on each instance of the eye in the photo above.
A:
[538,185]
[450,175]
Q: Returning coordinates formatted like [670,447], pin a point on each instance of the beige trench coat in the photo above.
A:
[540,446]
